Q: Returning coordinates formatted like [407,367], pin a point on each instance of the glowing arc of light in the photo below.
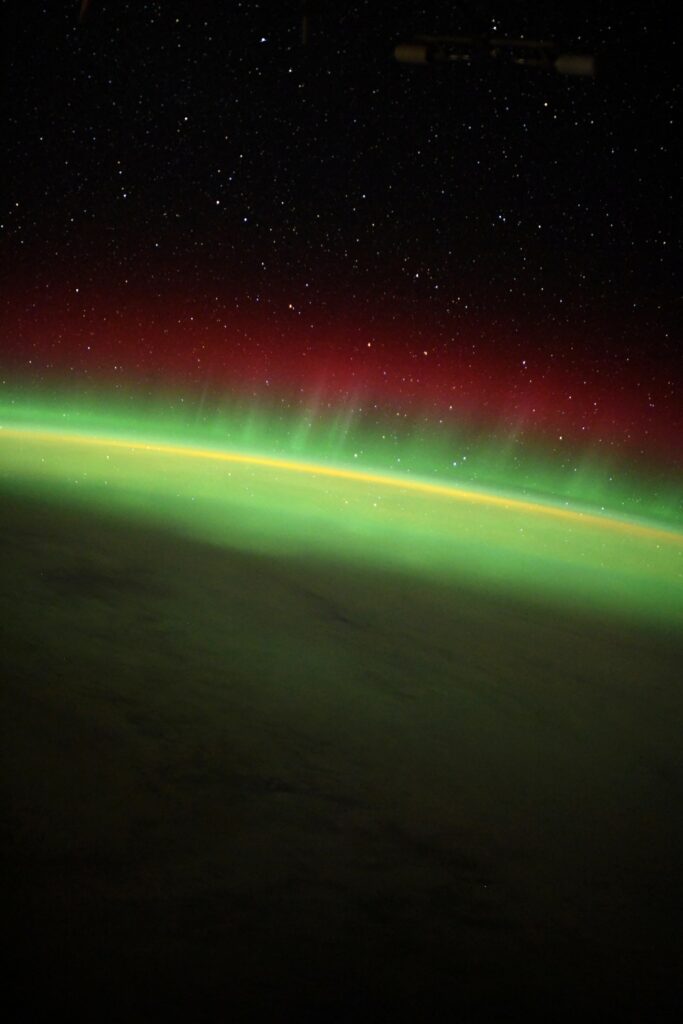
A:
[358,476]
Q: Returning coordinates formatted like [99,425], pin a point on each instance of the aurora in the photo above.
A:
[297,485]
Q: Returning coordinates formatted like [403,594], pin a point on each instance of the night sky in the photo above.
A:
[193,196]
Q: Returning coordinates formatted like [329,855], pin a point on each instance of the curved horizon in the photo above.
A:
[577,515]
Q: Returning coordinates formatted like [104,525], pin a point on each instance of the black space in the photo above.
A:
[204,143]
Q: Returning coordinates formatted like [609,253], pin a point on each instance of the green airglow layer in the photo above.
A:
[451,450]
[263,481]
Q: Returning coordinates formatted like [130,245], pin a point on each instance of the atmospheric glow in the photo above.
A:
[335,514]
[403,483]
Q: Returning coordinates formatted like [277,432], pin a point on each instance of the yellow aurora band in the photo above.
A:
[285,507]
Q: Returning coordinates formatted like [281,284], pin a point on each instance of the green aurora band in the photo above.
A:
[455,507]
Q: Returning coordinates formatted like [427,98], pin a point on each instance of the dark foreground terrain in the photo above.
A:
[238,787]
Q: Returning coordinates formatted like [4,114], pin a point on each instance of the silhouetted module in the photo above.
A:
[581,64]
[469,50]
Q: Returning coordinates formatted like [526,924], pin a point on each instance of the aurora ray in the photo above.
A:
[263,496]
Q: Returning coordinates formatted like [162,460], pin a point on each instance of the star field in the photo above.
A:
[194,194]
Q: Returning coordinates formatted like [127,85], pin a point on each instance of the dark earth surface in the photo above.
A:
[261,788]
